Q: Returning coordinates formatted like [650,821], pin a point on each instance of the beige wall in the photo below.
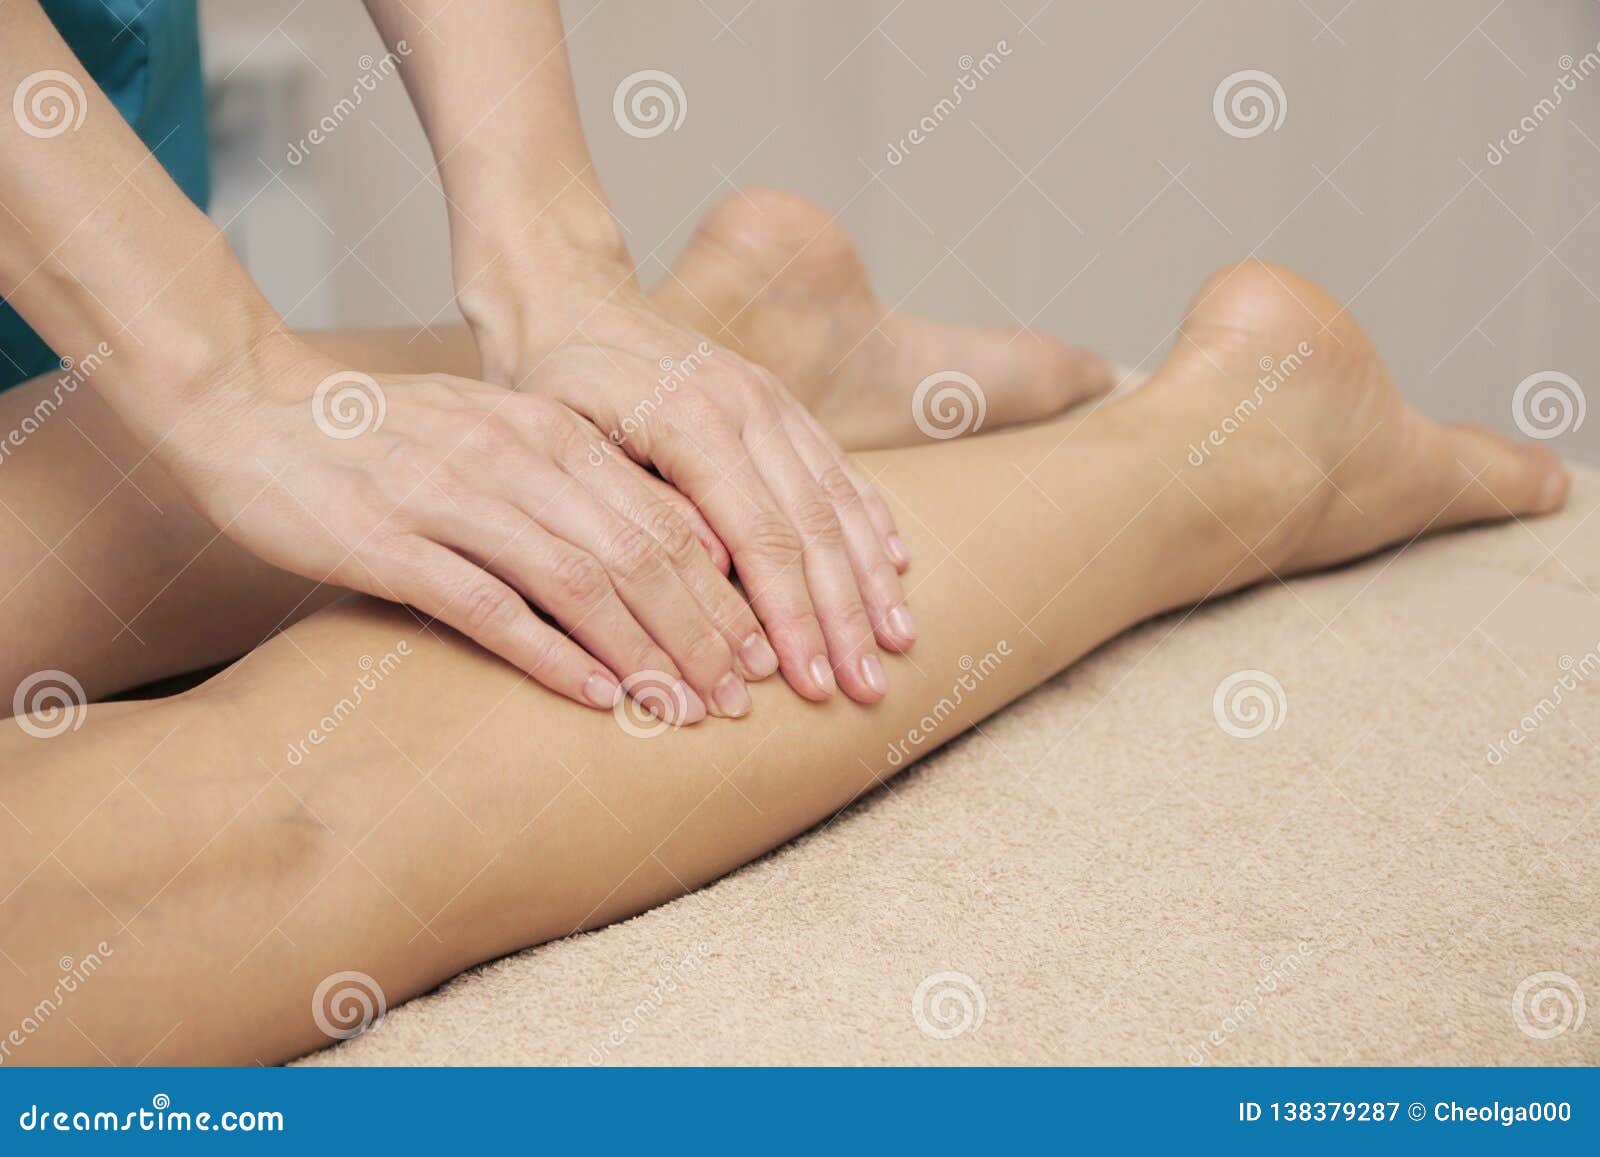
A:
[1084,185]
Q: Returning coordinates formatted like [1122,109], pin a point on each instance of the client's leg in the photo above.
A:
[360,796]
[109,575]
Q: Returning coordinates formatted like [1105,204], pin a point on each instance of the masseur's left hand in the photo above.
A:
[807,532]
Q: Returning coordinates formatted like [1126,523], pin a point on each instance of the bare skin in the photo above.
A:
[141,588]
[777,278]
[470,499]
[461,812]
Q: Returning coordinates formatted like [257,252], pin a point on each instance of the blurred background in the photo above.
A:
[1434,162]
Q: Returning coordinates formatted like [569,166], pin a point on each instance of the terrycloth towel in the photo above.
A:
[1402,867]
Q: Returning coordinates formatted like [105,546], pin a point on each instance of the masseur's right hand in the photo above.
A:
[469,502]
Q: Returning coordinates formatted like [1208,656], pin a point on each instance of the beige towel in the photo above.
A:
[1104,874]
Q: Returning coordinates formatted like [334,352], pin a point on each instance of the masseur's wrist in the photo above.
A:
[525,285]
[213,334]
[536,303]
[518,193]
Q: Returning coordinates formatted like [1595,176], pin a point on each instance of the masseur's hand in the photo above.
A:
[544,280]
[808,534]
[464,500]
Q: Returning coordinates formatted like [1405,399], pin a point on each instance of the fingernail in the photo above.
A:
[901,623]
[693,708]
[758,657]
[822,675]
[872,672]
[897,550]
[731,697]
[600,691]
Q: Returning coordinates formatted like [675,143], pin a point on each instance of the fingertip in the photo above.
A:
[731,697]
[718,553]
[856,680]
[874,676]
[802,654]
[895,548]
[690,708]
[898,631]
[600,691]
[820,677]
[716,550]
[757,657]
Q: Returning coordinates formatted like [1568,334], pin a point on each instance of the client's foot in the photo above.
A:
[772,276]
[1272,373]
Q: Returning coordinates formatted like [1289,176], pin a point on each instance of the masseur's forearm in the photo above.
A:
[491,83]
[98,245]
[493,88]
[439,824]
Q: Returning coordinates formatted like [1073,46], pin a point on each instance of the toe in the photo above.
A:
[1062,375]
[1025,375]
[1494,478]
